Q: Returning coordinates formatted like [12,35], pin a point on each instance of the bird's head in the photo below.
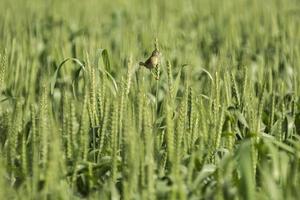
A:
[155,53]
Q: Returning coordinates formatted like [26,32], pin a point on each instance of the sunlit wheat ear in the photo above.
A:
[191,116]
[157,72]
[271,120]
[34,132]
[65,131]
[186,132]
[179,132]
[219,129]
[169,131]
[149,151]
[73,145]
[122,104]
[3,63]
[102,93]
[170,79]
[92,95]
[245,85]
[114,141]
[84,129]
[44,125]
[236,93]
[24,155]
[103,133]
[129,75]
[178,147]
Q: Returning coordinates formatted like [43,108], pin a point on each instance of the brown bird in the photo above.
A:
[152,61]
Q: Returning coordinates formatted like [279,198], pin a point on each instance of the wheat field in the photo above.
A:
[80,119]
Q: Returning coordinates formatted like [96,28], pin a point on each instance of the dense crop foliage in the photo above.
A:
[80,119]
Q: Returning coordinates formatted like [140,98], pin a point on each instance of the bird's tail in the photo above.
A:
[142,64]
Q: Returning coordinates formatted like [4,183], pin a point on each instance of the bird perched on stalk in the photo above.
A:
[152,62]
